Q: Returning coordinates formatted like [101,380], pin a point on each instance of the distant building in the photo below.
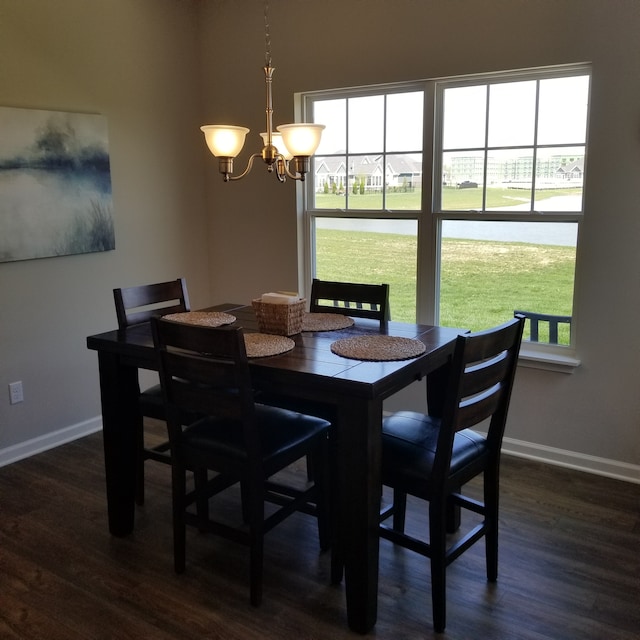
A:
[400,171]
[514,171]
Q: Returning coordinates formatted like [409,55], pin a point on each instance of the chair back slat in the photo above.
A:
[482,406]
[353,299]
[135,305]
[480,376]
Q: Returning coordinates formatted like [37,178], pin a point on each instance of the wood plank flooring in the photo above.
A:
[569,565]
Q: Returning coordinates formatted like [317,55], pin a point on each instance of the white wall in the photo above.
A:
[137,62]
[588,419]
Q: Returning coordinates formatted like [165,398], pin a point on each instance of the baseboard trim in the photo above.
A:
[49,441]
[572,460]
[519,448]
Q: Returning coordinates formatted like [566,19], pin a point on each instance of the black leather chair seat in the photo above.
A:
[282,433]
[410,440]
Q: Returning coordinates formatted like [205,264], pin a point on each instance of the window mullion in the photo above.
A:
[486,148]
[534,166]
[384,156]
[427,268]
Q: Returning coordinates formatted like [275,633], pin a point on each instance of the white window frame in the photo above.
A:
[429,219]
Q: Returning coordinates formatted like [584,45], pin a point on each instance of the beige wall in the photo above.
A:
[590,418]
[136,61]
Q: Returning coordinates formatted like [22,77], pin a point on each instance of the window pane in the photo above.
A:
[371,251]
[462,179]
[404,121]
[365,181]
[491,269]
[509,179]
[512,111]
[330,176]
[559,177]
[332,114]
[366,124]
[403,179]
[464,117]
[563,110]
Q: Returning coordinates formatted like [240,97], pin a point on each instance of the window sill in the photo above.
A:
[537,358]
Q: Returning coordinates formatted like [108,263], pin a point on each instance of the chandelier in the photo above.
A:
[288,149]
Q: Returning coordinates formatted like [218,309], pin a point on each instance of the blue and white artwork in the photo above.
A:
[55,184]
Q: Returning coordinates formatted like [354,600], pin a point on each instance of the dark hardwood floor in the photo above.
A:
[569,565]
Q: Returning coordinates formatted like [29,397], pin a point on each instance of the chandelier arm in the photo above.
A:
[293,176]
[281,167]
[246,171]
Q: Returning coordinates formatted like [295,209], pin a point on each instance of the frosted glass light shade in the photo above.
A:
[224,141]
[301,139]
[278,143]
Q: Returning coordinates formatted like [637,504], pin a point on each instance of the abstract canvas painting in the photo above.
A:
[55,184]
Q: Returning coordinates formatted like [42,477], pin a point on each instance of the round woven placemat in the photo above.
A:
[260,345]
[325,321]
[378,348]
[203,318]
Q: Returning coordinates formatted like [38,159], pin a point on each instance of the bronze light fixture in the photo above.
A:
[288,149]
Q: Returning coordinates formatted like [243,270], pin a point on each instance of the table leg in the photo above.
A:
[119,391]
[359,449]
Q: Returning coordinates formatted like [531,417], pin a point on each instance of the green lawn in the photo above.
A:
[482,282]
[453,199]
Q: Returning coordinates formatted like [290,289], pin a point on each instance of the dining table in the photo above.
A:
[356,388]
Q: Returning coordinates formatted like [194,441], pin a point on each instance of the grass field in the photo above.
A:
[482,282]
[452,199]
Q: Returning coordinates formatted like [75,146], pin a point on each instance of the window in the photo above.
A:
[365,196]
[464,194]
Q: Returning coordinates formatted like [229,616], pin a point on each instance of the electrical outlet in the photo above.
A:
[15,392]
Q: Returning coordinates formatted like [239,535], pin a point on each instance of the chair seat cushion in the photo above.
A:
[409,441]
[283,433]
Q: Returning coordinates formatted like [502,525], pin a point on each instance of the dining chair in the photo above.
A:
[350,298]
[136,305]
[433,457]
[206,370]
[538,320]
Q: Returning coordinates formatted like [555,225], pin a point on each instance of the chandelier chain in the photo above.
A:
[267,35]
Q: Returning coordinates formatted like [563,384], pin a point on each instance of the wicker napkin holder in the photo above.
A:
[279,319]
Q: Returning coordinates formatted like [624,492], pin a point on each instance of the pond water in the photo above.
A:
[561,234]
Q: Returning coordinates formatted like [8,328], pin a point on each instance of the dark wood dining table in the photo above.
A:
[356,388]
